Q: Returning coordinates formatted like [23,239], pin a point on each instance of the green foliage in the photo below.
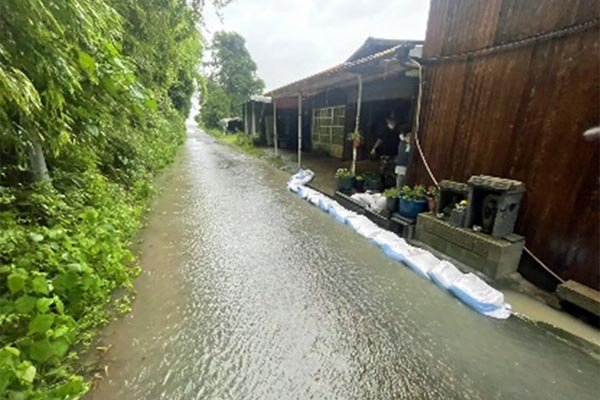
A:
[343,173]
[216,106]
[233,69]
[391,193]
[232,79]
[355,136]
[418,192]
[104,86]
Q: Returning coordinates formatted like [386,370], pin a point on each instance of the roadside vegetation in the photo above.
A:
[93,97]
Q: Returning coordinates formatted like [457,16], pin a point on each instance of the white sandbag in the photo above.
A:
[340,213]
[325,202]
[369,230]
[444,274]
[361,198]
[480,296]
[303,176]
[421,261]
[386,238]
[358,221]
[379,203]
[363,226]
[299,179]
[293,186]
[397,250]
[371,201]
[314,198]
[304,191]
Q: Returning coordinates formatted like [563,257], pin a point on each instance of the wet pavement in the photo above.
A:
[250,293]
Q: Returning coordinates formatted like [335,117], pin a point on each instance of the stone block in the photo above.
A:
[494,257]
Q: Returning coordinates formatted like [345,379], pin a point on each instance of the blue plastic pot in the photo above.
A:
[412,208]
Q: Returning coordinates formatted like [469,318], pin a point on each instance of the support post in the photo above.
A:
[357,122]
[275,125]
[299,130]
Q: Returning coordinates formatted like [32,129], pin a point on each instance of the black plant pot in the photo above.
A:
[359,185]
[345,184]
[374,185]
[391,204]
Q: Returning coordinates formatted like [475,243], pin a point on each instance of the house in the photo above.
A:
[509,88]
[318,112]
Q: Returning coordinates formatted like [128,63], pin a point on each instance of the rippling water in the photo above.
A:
[250,293]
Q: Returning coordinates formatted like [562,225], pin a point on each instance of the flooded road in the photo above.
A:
[250,293]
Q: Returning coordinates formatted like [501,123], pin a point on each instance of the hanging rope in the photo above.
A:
[417,124]
[357,121]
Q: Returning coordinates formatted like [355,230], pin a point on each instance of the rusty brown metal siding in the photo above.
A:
[520,114]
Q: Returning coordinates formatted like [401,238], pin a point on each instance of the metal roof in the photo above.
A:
[346,71]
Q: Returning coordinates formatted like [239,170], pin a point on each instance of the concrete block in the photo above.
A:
[494,257]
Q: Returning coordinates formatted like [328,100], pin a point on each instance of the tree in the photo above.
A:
[233,69]
[216,105]
[93,98]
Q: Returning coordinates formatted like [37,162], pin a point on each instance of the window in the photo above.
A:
[328,129]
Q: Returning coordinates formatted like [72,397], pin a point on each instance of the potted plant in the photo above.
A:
[359,183]
[373,182]
[356,138]
[345,179]
[413,201]
[391,199]
[433,193]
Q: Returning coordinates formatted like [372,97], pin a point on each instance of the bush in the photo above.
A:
[83,80]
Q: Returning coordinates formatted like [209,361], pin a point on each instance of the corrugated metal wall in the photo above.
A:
[520,114]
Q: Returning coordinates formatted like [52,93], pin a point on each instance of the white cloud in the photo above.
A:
[291,39]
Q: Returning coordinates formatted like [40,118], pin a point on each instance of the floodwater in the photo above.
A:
[250,293]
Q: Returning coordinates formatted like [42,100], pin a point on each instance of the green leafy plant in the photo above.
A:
[355,136]
[360,178]
[418,192]
[343,173]
[84,92]
[391,193]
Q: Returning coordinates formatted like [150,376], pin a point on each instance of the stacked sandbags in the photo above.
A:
[480,296]
[469,288]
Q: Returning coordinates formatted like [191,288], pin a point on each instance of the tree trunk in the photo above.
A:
[37,162]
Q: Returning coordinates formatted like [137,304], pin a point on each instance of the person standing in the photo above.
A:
[402,159]
[387,139]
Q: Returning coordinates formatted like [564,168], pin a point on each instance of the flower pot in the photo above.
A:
[359,185]
[432,204]
[391,204]
[356,143]
[374,184]
[411,208]
[345,184]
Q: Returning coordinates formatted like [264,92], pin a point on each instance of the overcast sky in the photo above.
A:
[291,39]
